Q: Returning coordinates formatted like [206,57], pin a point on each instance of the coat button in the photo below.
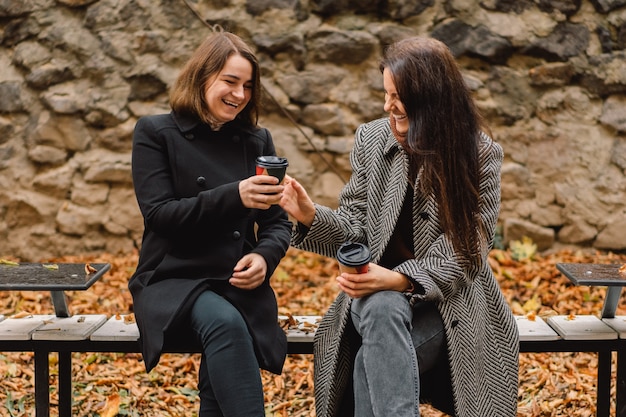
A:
[236,235]
[189,136]
[201,181]
[424,215]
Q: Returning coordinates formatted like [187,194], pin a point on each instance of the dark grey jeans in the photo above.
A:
[399,346]
[229,381]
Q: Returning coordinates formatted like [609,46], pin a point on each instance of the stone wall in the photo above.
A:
[75,75]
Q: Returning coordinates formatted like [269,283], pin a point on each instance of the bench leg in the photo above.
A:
[604,384]
[620,407]
[59,301]
[65,384]
[42,384]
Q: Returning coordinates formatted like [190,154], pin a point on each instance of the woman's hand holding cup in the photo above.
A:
[264,189]
[260,191]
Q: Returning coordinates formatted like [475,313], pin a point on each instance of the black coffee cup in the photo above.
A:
[275,166]
[353,257]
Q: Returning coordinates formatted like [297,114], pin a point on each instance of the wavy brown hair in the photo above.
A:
[187,95]
[443,135]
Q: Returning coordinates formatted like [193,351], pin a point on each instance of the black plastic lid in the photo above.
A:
[272,161]
[353,254]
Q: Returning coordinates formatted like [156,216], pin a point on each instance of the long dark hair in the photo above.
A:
[443,135]
[187,95]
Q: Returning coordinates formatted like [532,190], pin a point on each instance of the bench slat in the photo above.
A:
[534,329]
[77,327]
[617,323]
[582,327]
[304,329]
[22,328]
[117,328]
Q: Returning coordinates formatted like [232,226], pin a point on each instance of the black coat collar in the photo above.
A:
[188,123]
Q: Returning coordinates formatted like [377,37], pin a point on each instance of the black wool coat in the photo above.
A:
[196,228]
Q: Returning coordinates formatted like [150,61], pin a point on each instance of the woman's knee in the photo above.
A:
[212,313]
[382,306]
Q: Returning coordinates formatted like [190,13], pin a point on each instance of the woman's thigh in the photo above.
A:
[380,309]
[210,313]
[428,334]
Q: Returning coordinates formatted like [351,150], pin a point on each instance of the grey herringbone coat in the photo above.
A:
[481,332]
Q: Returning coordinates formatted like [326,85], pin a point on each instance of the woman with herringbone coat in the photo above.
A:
[428,321]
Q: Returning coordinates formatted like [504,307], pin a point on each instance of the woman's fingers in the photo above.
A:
[260,191]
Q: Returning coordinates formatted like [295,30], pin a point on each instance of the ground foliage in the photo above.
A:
[113,384]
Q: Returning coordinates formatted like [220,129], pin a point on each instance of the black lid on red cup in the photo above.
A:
[353,254]
[271,161]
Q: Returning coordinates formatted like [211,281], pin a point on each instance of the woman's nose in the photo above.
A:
[239,92]
[388,104]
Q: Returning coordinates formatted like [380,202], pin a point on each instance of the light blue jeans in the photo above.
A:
[229,381]
[393,354]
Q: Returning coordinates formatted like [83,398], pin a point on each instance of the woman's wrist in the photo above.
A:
[307,219]
[411,287]
[405,284]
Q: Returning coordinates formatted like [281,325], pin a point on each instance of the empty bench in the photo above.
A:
[44,334]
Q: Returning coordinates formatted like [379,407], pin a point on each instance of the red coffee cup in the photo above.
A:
[275,166]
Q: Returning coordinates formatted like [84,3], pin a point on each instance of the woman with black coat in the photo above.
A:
[214,232]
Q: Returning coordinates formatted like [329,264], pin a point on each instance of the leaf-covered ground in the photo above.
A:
[113,384]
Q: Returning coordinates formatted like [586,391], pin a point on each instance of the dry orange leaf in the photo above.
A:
[112,406]
[21,315]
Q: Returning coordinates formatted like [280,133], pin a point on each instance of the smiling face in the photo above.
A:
[228,93]
[393,105]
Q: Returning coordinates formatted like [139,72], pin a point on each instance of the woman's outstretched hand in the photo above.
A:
[296,202]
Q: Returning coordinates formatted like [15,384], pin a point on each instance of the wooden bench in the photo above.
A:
[45,334]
